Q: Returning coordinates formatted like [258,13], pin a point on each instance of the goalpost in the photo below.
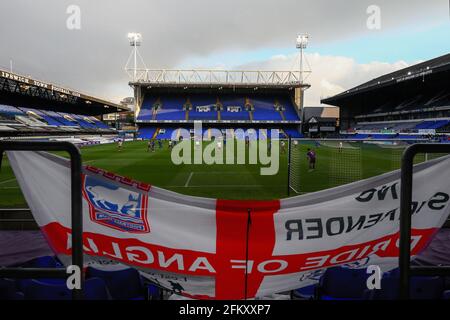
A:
[293,166]
[343,163]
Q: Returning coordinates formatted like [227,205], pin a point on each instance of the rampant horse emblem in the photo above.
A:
[116,207]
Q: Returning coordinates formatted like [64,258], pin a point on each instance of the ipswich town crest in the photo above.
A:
[116,207]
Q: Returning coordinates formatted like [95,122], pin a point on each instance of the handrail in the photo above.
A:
[406,271]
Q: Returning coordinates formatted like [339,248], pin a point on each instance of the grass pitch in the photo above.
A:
[334,167]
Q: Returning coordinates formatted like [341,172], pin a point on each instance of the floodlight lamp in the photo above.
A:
[302,41]
[134,38]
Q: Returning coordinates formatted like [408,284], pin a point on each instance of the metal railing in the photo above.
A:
[406,270]
[76,212]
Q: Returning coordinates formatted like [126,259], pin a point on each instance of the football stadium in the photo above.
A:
[214,184]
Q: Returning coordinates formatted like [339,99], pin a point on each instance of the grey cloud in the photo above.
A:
[34,34]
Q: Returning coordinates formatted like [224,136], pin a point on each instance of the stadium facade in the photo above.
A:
[30,107]
[411,101]
[320,121]
[226,100]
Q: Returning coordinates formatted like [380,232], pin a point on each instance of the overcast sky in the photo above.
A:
[231,34]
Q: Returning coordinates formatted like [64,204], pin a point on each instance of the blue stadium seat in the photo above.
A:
[123,284]
[10,111]
[199,101]
[46,117]
[94,289]
[383,136]
[446,295]
[289,109]
[42,262]
[146,111]
[340,283]
[166,135]
[293,133]
[305,293]
[58,117]
[8,290]
[153,292]
[408,137]
[420,288]
[233,101]
[172,108]
[83,123]
[98,123]
[432,124]
[264,109]
[359,136]
[146,132]
[243,115]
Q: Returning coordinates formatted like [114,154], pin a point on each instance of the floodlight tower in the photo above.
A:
[302,44]
[135,42]
[138,70]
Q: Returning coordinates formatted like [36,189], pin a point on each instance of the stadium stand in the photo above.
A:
[264,109]
[203,107]
[233,108]
[170,108]
[58,117]
[165,134]
[161,112]
[50,121]
[35,118]
[29,107]
[293,133]
[98,123]
[288,108]
[412,100]
[9,112]
[147,132]
[432,124]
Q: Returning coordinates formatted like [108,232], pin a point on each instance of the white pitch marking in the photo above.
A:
[6,181]
[189,179]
